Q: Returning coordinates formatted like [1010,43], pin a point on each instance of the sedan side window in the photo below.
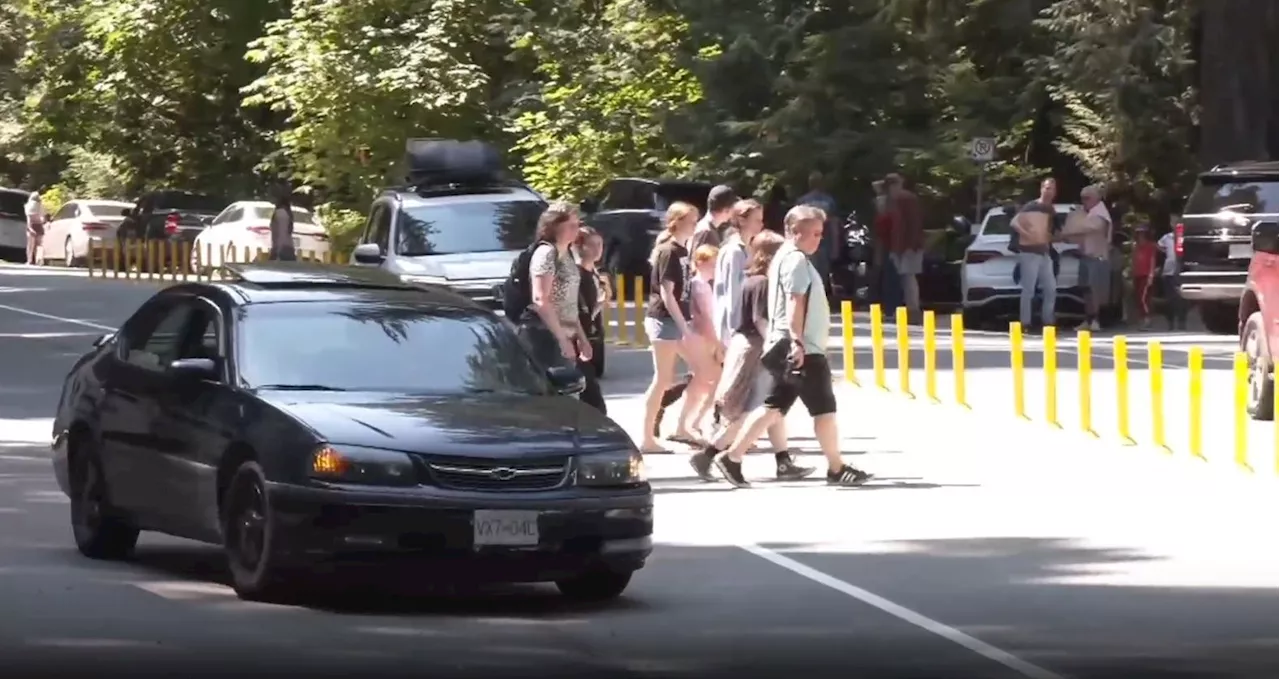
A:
[156,349]
[67,212]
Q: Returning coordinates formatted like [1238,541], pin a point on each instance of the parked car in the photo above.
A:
[1212,240]
[1260,319]
[628,214]
[989,291]
[245,226]
[81,224]
[13,224]
[410,425]
[170,216]
[457,222]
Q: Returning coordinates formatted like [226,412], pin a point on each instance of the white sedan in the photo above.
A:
[246,225]
[80,224]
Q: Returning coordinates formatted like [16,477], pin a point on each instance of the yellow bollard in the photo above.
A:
[931,356]
[1084,367]
[637,331]
[1275,414]
[1241,390]
[152,267]
[957,358]
[186,260]
[1120,349]
[88,260]
[115,260]
[846,315]
[904,352]
[1051,376]
[877,346]
[1015,362]
[620,304]
[1155,361]
[1195,392]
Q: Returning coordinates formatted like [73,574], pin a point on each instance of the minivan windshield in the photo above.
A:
[1246,195]
[461,227]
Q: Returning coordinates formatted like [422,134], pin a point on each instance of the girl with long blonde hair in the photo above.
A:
[667,315]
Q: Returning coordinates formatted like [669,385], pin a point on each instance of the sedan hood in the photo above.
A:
[461,266]
[500,427]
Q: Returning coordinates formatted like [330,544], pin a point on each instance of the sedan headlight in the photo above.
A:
[428,280]
[363,466]
[611,469]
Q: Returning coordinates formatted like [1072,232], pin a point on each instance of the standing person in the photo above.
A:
[710,229]
[799,323]
[1175,308]
[281,226]
[1033,225]
[36,218]
[550,325]
[666,315]
[906,240]
[1143,271]
[744,383]
[829,249]
[594,296]
[1093,235]
[881,232]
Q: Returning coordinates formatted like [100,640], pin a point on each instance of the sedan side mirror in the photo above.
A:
[202,368]
[1265,238]
[567,380]
[368,253]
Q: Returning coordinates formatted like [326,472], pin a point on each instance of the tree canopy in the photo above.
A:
[109,97]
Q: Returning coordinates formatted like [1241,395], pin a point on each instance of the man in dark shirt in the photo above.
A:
[281,226]
[1034,228]
[710,229]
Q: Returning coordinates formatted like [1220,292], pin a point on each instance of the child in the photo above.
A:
[1143,272]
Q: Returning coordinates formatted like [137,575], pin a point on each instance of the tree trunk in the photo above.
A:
[1237,80]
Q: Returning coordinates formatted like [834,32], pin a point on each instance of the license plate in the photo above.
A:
[1240,251]
[505,528]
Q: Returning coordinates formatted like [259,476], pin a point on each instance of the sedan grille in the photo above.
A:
[499,475]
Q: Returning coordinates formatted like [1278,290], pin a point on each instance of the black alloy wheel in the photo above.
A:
[595,586]
[247,534]
[100,533]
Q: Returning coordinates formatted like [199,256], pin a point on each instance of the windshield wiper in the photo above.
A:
[300,387]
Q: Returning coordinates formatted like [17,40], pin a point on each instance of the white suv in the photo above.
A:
[987,288]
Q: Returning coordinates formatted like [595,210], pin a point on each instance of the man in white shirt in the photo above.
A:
[36,217]
[1175,308]
[1093,235]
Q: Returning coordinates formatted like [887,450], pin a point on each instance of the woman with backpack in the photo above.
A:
[550,323]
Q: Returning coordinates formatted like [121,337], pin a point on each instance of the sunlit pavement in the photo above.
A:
[986,547]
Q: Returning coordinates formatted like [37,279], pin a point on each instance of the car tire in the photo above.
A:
[100,531]
[68,254]
[1261,390]
[973,320]
[248,537]
[595,585]
[1220,319]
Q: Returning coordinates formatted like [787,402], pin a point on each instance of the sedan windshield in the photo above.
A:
[381,345]
[462,227]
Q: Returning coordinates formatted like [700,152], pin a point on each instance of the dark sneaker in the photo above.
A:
[790,471]
[847,476]
[732,471]
[702,461]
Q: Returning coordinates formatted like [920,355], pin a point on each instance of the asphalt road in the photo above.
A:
[980,550]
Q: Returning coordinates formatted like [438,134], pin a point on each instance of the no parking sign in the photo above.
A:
[982,149]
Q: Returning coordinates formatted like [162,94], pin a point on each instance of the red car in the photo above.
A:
[1260,320]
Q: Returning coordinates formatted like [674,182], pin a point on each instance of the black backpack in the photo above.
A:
[517,293]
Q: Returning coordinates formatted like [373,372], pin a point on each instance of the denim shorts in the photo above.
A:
[661,328]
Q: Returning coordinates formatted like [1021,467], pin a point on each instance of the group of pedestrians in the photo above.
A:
[747,312]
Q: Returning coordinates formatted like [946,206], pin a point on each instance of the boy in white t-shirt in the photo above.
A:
[1175,308]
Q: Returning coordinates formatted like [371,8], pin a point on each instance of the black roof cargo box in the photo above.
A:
[448,161]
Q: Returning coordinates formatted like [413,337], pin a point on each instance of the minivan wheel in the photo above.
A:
[248,536]
[1261,393]
[99,530]
[595,585]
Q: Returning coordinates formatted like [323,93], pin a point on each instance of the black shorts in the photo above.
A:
[812,387]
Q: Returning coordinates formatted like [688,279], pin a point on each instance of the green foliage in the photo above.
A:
[54,197]
[343,226]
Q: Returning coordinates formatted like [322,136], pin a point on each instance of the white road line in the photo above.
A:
[51,317]
[44,335]
[907,615]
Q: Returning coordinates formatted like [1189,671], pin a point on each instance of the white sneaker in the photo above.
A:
[1095,326]
[1083,326]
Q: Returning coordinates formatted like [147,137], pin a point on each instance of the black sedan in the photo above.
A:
[301,415]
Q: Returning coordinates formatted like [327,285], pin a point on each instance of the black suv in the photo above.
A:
[1212,240]
[628,214]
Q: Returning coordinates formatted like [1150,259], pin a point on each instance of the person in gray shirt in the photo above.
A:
[1034,227]
[800,315]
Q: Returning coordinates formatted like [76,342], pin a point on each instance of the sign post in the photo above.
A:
[982,150]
